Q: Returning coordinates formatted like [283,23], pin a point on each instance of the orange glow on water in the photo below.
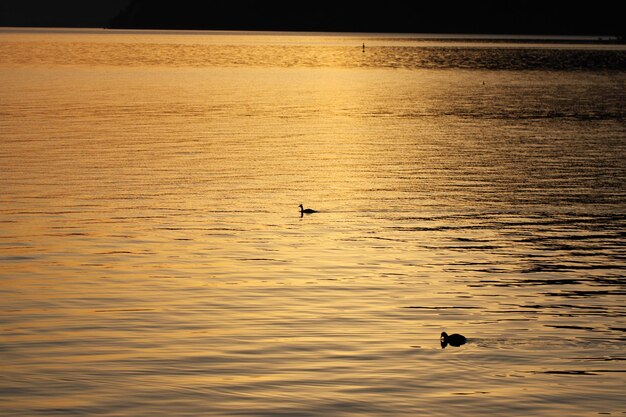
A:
[153,256]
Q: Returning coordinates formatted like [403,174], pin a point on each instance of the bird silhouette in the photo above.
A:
[304,211]
[455,340]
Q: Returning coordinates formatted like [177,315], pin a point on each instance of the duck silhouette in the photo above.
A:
[304,211]
[455,340]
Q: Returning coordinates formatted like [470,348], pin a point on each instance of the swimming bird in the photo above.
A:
[455,340]
[306,211]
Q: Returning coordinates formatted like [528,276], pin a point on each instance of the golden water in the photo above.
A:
[153,260]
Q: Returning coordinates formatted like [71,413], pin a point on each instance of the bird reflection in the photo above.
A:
[455,340]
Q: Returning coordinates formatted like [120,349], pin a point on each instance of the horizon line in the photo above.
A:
[415,35]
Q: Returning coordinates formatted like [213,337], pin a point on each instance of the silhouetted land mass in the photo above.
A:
[59,13]
[485,17]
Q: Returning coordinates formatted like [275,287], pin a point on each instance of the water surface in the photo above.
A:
[153,258]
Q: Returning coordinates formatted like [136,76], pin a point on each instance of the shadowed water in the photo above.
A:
[153,258]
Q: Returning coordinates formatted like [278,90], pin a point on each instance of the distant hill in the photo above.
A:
[501,17]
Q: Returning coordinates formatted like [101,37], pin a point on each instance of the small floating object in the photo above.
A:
[455,340]
[306,211]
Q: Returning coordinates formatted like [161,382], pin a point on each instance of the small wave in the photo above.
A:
[17,258]
[580,372]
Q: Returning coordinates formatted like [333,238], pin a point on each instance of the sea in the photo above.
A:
[154,259]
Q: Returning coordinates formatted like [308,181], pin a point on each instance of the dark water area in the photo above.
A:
[153,258]
[318,51]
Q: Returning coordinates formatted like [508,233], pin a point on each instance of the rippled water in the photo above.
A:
[153,259]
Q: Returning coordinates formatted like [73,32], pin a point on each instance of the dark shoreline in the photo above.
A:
[431,37]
